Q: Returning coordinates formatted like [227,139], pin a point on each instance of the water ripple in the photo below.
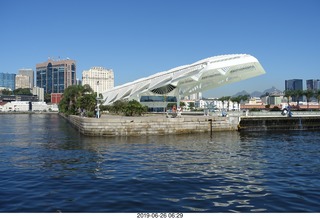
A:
[47,166]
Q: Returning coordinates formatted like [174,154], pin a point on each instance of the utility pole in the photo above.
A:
[98,115]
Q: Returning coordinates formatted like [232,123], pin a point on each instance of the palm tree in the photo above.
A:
[297,94]
[309,94]
[237,100]
[288,94]
[228,103]
[317,95]
[223,99]
[245,97]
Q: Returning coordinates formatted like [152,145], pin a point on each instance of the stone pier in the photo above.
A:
[109,125]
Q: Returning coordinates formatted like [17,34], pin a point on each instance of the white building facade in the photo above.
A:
[39,91]
[24,106]
[95,75]
[22,81]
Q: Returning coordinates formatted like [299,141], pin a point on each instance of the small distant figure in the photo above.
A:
[174,111]
[287,111]
[179,112]
[224,113]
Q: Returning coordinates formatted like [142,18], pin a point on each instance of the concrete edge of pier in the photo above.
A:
[279,123]
[109,125]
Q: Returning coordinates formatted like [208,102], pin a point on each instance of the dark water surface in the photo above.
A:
[47,166]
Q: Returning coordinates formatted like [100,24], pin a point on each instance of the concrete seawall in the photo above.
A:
[150,125]
[279,123]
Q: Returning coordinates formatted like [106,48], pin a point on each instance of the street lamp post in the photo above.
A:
[98,116]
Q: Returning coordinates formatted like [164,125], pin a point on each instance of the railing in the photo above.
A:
[273,113]
[246,113]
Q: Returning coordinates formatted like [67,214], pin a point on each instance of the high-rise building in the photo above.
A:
[8,81]
[30,74]
[79,82]
[313,84]
[56,75]
[294,84]
[98,75]
[22,81]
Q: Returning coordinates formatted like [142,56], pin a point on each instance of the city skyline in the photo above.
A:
[140,38]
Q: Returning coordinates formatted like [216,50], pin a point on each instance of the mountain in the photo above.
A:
[241,93]
[258,93]
[272,90]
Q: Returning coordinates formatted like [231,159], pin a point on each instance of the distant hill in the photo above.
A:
[258,93]
[272,90]
[241,93]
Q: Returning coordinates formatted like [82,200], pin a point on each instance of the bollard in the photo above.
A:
[210,120]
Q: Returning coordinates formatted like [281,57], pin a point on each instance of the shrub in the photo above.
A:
[127,108]
[133,107]
[275,108]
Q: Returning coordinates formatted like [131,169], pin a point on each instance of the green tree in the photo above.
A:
[245,98]
[309,94]
[317,95]
[127,108]
[47,98]
[119,106]
[170,105]
[6,92]
[77,98]
[288,94]
[133,108]
[297,94]
[236,100]
[191,105]
[224,99]
[22,91]
[182,104]
[87,102]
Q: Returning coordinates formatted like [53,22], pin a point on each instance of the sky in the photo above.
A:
[142,37]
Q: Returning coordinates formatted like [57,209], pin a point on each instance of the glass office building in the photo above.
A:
[8,81]
[55,76]
[294,84]
[313,84]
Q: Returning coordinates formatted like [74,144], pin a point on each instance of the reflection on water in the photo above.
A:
[48,166]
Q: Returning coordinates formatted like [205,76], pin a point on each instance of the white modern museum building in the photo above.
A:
[158,89]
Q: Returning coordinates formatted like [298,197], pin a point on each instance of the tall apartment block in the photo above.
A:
[54,76]
[313,84]
[95,75]
[30,74]
[22,81]
[294,84]
[8,81]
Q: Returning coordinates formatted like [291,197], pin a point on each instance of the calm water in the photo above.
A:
[47,166]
